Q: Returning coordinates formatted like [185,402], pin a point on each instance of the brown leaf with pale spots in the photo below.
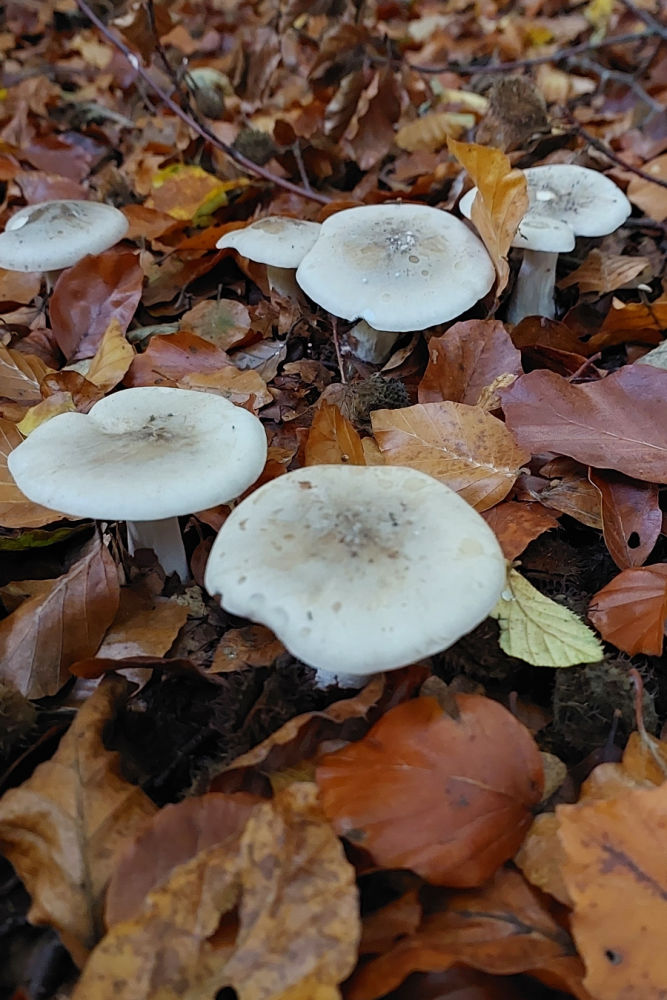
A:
[59,622]
[272,913]
[605,272]
[450,798]
[143,626]
[465,448]
[20,376]
[223,323]
[501,202]
[571,492]
[168,358]
[631,516]
[62,828]
[466,360]
[516,525]
[332,439]
[112,358]
[615,872]
[250,646]
[631,610]
[16,511]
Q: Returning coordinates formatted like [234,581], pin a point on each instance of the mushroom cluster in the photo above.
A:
[357,569]
[53,235]
[145,456]
[565,201]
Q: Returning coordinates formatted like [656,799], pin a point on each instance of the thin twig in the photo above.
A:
[606,150]
[201,130]
[644,15]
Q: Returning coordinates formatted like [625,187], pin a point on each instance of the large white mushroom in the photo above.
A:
[400,267]
[145,456]
[565,201]
[53,235]
[357,569]
[277,241]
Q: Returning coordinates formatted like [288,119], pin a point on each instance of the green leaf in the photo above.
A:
[538,630]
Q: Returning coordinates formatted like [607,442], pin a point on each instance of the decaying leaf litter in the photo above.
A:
[185,812]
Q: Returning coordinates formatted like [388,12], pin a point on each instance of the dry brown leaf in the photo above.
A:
[449,798]
[63,828]
[605,272]
[644,321]
[244,388]
[112,358]
[570,491]
[223,323]
[250,646]
[469,450]
[433,129]
[616,876]
[295,934]
[60,621]
[58,402]
[651,198]
[501,202]
[540,857]
[143,626]
[19,286]
[16,511]
[631,516]
[168,358]
[20,376]
[466,360]
[332,439]
[517,524]
[631,610]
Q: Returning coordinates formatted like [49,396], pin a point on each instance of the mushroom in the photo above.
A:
[279,242]
[143,455]
[357,569]
[53,235]
[399,267]
[566,201]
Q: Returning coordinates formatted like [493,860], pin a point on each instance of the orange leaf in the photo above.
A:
[462,446]
[605,272]
[631,516]
[651,198]
[630,611]
[112,359]
[501,202]
[333,440]
[448,798]
[515,525]
[466,360]
[20,376]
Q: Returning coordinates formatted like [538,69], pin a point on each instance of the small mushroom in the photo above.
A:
[357,569]
[53,235]
[277,241]
[145,456]
[565,201]
[399,267]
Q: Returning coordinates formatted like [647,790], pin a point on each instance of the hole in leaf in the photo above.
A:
[633,540]
[612,956]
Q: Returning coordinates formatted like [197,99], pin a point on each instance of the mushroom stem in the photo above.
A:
[164,538]
[535,286]
[335,678]
[283,280]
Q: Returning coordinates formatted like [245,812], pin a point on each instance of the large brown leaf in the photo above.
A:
[20,376]
[332,439]
[60,621]
[466,359]
[63,828]
[272,913]
[462,446]
[89,295]
[631,611]
[16,511]
[449,798]
[631,516]
[616,423]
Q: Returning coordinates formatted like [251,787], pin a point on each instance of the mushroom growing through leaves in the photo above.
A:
[53,235]
[565,201]
[357,569]
[277,241]
[145,456]
[399,266]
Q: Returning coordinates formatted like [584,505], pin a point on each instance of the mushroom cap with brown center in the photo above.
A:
[56,234]
[358,569]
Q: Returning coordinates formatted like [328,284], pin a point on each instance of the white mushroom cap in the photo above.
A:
[358,569]
[57,234]
[565,201]
[141,455]
[399,267]
[274,240]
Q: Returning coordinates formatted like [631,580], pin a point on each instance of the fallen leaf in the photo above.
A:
[168,359]
[62,829]
[540,857]
[433,129]
[250,646]
[20,376]
[630,612]
[516,525]
[58,402]
[142,626]
[449,798]
[247,389]
[223,323]
[332,439]
[631,516]
[538,630]
[605,272]
[466,360]
[501,202]
[112,358]
[615,423]
[465,448]
[642,321]
[265,357]
[295,934]
[651,198]
[59,622]
[16,511]
[570,491]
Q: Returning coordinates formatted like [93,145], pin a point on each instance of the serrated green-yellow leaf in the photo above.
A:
[538,630]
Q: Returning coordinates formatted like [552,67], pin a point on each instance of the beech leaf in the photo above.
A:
[112,359]
[20,376]
[332,439]
[536,629]
[16,511]
[467,359]
[631,610]
[631,516]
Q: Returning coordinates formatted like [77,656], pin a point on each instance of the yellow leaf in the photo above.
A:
[432,130]
[59,402]
[501,202]
[16,511]
[189,193]
[113,358]
[536,629]
[598,13]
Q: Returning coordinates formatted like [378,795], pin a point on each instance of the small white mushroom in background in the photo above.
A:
[145,456]
[357,569]
[277,241]
[566,201]
[400,267]
[53,235]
